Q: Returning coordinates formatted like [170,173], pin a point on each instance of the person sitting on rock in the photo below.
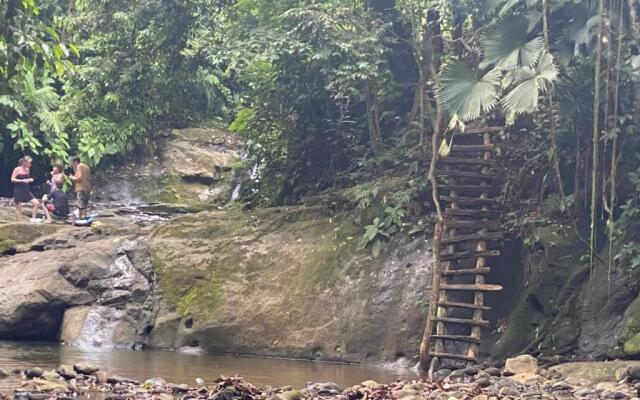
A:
[57,202]
[21,180]
[56,176]
[82,180]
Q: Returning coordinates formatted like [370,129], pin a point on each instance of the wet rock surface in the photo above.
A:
[76,284]
[188,166]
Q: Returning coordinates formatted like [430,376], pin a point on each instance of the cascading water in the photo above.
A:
[99,327]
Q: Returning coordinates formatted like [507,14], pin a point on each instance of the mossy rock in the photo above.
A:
[630,333]
[15,234]
[291,395]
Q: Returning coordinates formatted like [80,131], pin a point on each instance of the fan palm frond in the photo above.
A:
[502,7]
[507,44]
[466,94]
[528,83]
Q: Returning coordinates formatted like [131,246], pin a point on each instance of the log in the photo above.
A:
[453,356]
[466,161]
[461,212]
[470,201]
[462,305]
[472,287]
[463,321]
[468,174]
[472,147]
[472,237]
[469,271]
[460,338]
[460,255]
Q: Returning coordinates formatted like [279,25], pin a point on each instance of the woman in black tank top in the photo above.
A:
[22,191]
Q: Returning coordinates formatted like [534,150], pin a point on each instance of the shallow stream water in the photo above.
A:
[179,367]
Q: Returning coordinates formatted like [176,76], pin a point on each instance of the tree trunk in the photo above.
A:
[373,115]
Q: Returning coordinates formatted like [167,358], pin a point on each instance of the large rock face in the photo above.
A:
[70,274]
[287,282]
[561,310]
[188,166]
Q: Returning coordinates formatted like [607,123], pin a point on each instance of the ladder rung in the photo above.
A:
[462,321]
[472,287]
[481,130]
[470,271]
[452,356]
[472,213]
[478,224]
[472,147]
[470,201]
[462,305]
[467,174]
[460,338]
[472,237]
[466,161]
[469,254]
[476,189]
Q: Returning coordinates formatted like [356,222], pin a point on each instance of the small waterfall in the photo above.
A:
[98,328]
[235,195]
[123,273]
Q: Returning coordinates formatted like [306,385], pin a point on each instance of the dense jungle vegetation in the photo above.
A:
[331,94]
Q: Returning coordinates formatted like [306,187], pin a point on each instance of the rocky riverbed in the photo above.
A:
[520,377]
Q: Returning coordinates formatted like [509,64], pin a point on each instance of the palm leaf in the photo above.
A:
[502,7]
[466,94]
[507,44]
[528,83]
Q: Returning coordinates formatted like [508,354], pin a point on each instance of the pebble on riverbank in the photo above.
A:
[521,378]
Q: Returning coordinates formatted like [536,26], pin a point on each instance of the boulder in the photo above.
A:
[324,389]
[314,277]
[187,166]
[521,364]
[35,372]
[101,377]
[3,373]
[155,382]
[527,378]
[66,372]
[50,375]
[85,368]
[290,395]
[41,385]
[43,294]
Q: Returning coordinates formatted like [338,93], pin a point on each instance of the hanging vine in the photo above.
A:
[596,140]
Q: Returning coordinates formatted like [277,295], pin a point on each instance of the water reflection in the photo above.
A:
[184,368]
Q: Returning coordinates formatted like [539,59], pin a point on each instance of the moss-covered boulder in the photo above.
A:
[629,335]
[287,282]
[187,166]
[15,234]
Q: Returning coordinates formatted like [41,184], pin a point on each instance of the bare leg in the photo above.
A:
[47,214]
[35,204]
[18,211]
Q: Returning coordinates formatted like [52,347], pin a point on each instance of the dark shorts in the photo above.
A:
[83,199]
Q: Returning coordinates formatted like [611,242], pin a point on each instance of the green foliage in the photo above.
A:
[464,93]
[392,219]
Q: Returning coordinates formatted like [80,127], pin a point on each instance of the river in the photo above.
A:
[180,367]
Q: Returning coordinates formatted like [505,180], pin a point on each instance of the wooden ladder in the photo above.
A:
[470,226]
